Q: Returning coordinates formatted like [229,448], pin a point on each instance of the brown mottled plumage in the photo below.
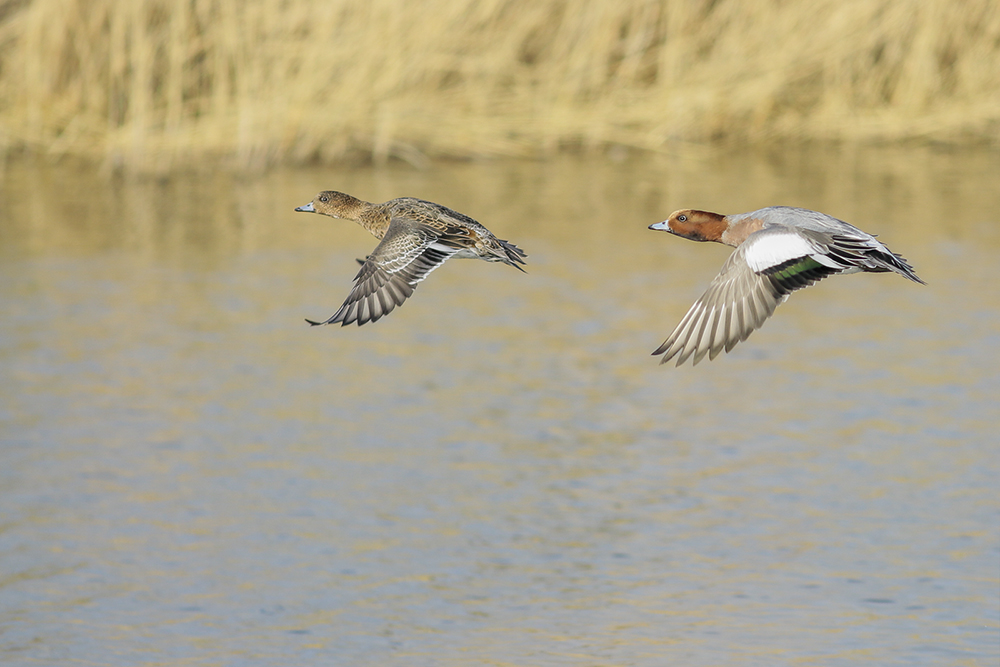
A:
[417,236]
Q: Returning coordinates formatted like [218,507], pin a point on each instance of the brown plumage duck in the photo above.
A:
[417,236]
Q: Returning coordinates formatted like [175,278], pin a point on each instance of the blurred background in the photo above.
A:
[158,84]
[498,473]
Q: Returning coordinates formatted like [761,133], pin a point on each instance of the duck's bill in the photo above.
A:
[659,226]
[308,208]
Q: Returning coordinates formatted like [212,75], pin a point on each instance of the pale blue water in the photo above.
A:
[498,473]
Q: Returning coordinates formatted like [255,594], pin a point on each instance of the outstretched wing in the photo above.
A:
[404,257]
[759,275]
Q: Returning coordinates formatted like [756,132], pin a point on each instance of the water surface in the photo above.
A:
[498,473]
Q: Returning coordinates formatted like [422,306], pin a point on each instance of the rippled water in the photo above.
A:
[499,473]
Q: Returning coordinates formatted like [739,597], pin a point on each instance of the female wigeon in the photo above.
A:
[779,249]
[417,236]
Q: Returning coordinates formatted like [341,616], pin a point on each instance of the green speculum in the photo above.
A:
[806,264]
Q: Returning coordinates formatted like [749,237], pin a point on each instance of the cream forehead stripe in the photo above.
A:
[773,249]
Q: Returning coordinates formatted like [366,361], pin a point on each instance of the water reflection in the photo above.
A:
[498,473]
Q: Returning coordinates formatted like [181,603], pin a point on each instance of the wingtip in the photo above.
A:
[315,324]
[668,355]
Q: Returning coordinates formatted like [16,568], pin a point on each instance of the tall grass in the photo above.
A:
[162,83]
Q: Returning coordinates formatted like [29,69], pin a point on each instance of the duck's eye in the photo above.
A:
[324,198]
[682,218]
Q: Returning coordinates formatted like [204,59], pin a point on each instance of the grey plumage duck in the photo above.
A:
[779,249]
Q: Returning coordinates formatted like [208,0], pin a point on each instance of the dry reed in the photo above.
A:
[155,84]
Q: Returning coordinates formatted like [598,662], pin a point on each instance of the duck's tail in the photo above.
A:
[514,256]
[868,254]
[896,263]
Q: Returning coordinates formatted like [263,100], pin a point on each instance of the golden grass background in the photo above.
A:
[158,84]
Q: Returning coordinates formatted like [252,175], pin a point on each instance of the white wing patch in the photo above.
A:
[769,250]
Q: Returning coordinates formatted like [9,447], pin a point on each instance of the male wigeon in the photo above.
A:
[779,249]
[417,236]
